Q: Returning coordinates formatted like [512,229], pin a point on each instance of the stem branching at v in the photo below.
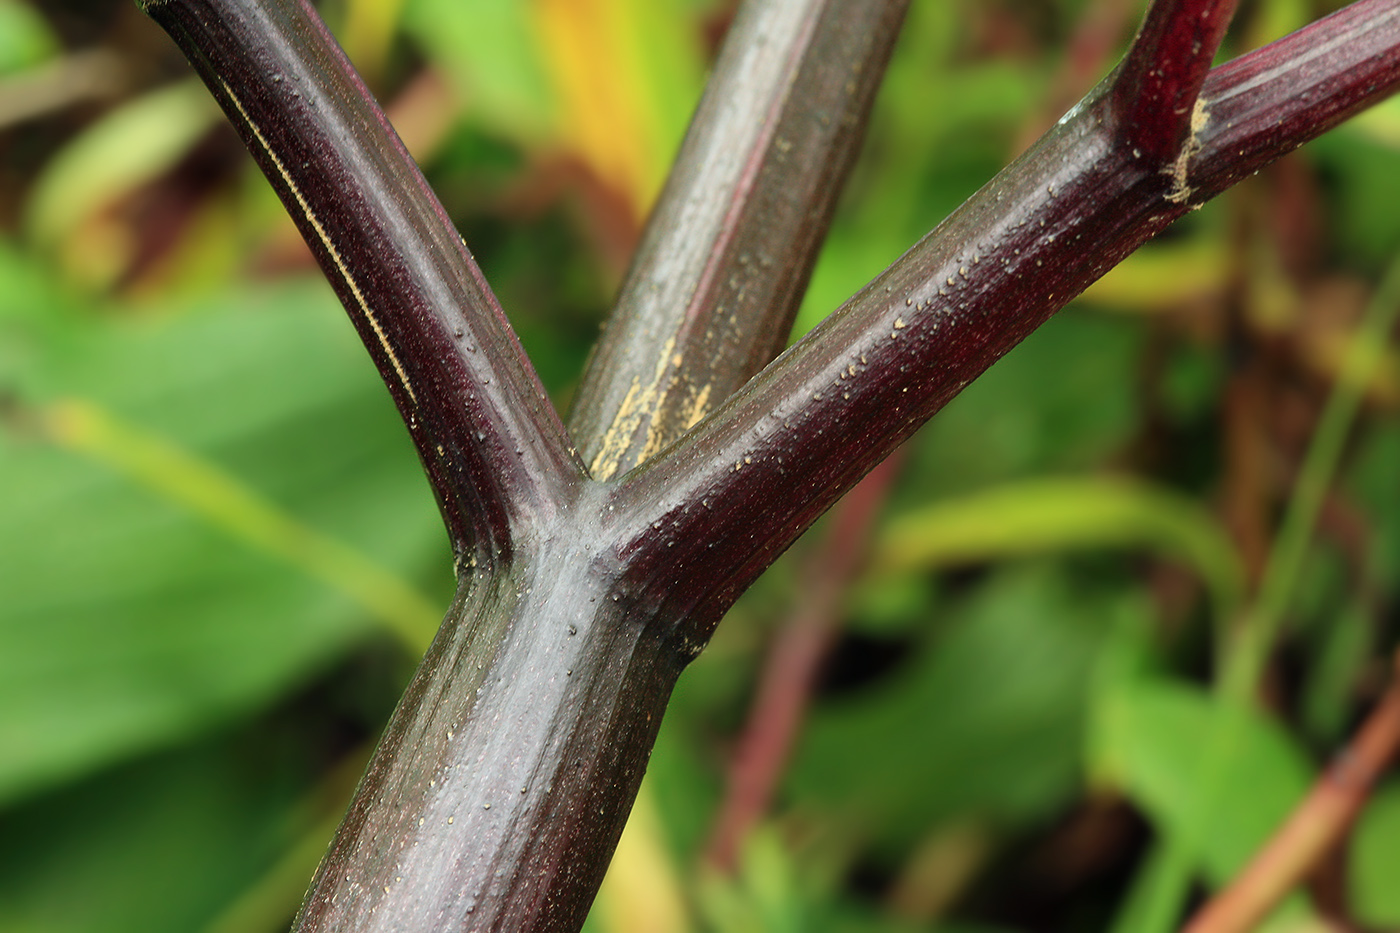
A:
[594,562]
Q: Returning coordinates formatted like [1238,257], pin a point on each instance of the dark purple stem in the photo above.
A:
[494,450]
[1266,104]
[730,246]
[1159,81]
[820,416]
[506,773]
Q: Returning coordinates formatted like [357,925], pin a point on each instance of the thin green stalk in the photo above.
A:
[1259,629]
[231,506]
[1156,902]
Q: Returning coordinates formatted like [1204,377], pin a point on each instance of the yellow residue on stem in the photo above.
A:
[640,404]
[1180,190]
[326,242]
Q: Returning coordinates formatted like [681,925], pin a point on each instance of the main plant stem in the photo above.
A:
[505,775]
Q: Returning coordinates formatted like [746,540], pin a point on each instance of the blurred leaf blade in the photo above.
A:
[1374,853]
[25,38]
[129,623]
[130,146]
[212,494]
[1147,739]
[1051,515]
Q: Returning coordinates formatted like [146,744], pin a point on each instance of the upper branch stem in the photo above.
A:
[1265,104]
[1156,87]
[494,450]
[820,416]
[728,250]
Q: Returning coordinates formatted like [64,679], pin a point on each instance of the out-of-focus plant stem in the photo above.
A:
[1314,828]
[793,662]
[1248,644]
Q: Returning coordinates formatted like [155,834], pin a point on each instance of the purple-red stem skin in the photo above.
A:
[494,449]
[1161,76]
[506,773]
[817,418]
[730,246]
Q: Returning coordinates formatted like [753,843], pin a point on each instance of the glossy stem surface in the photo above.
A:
[730,246]
[506,774]
[1080,200]
[494,450]
[504,778]
[1159,82]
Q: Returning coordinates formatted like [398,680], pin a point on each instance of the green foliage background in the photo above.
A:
[218,557]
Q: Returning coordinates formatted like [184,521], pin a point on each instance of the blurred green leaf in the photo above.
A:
[369,31]
[984,720]
[1372,480]
[211,494]
[1343,645]
[487,46]
[159,846]
[1359,171]
[1048,515]
[25,37]
[1033,414]
[1163,276]
[129,622]
[765,895]
[1220,777]
[1373,860]
[130,146]
[1381,123]
[942,128]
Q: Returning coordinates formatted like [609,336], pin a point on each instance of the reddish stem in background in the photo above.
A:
[793,663]
[1313,829]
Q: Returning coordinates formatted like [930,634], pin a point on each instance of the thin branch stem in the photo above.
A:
[495,452]
[729,249]
[504,778]
[1159,81]
[1313,829]
[859,384]
[1263,105]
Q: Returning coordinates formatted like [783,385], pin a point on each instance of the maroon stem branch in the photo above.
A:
[1313,829]
[506,773]
[1264,105]
[1159,81]
[495,452]
[728,251]
[1077,203]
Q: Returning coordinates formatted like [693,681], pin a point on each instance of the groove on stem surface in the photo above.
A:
[506,774]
